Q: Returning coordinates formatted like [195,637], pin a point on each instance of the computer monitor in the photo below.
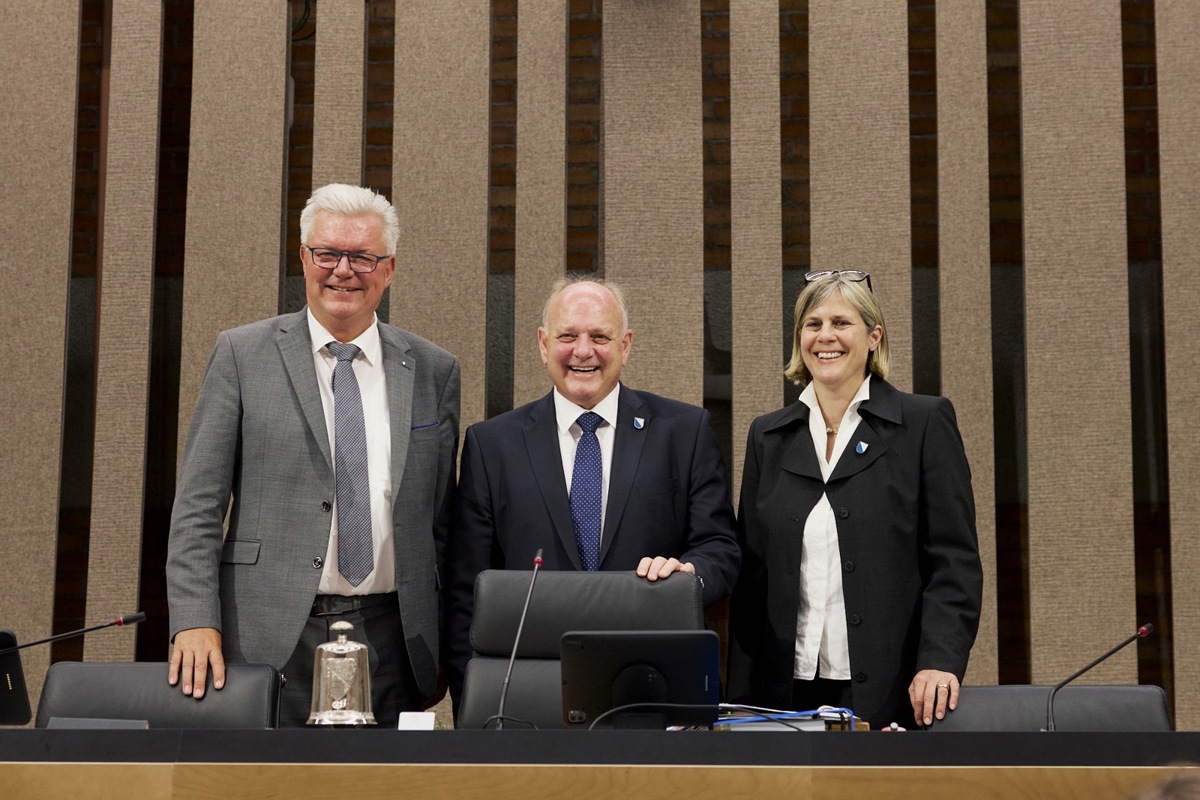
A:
[14,697]
[670,678]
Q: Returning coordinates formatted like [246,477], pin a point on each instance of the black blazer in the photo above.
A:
[906,532]
[667,496]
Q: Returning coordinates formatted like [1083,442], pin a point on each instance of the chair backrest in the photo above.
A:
[561,602]
[94,694]
[1076,708]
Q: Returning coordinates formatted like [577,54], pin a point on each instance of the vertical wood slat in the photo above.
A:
[756,280]
[126,301]
[338,93]
[1077,338]
[440,182]
[860,188]
[40,43]
[964,280]
[235,210]
[541,237]
[1177,26]
[654,187]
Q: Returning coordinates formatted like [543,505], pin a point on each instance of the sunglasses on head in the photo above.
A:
[849,274]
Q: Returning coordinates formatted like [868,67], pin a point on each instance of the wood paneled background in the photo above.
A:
[1021,178]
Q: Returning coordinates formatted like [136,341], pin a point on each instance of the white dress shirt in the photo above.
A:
[566,413]
[821,638]
[368,371]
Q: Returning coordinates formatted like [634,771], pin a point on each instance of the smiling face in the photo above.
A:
[584,344]
[343,300]
[835,343]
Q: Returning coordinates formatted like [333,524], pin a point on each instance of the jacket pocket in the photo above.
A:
[240,551]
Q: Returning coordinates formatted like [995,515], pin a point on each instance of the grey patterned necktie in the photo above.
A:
[355,549]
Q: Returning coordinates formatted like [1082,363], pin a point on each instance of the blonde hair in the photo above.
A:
[857,295]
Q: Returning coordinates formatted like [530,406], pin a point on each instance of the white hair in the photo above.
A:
[563,283]
[347,200]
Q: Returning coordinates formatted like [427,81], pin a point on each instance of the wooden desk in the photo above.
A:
[547,764]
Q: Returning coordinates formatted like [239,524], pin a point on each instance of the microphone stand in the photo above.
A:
[127,619]
[537,563]
[1141,633]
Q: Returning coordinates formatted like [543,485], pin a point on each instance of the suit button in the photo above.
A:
[848,566]
[326,506]
[860,677]
[318,562]
[843,513]
[855,619]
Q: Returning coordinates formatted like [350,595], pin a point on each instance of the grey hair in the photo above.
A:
[347,200]
[562,283]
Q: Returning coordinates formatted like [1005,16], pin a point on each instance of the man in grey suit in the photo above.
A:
[275,402]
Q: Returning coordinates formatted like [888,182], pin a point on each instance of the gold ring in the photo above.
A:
[943,686]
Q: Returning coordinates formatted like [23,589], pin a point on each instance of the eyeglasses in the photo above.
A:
[856,275]
[327,258]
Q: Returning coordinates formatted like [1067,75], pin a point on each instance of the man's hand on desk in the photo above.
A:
[195,649]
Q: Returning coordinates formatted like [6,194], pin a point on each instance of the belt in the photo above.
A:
[329,605]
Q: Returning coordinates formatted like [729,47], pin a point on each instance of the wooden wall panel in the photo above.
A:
[541,183]
[126,301]
[653,188]
[235,212]
[440,182]
[1177,24]
[38,83]
[1081,568]
[860,195]
[338,93]
[755,224]
[964,280]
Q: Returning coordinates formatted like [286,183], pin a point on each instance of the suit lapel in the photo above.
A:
[863,450]
[398,370]
[867,445]
[799,458]
[545,458]
[295,347]
[627,453]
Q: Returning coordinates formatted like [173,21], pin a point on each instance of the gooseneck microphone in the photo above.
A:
[537,563]
[120,622]
[1142,633]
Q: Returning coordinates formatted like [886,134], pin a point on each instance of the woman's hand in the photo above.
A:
[932,692]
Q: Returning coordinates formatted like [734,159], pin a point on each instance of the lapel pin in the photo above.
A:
[862,448]
[639,423]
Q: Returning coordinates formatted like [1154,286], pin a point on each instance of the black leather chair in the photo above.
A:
[561,602]
[1022,707]
[136,694]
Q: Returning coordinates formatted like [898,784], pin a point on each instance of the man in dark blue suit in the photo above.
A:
[657,476]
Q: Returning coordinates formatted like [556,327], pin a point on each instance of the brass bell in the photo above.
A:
[341,693]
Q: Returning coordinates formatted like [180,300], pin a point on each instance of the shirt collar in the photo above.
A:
[566,412]
[809,398]
[367,341]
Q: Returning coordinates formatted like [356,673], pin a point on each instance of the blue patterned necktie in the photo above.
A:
[587,489]
[355,548]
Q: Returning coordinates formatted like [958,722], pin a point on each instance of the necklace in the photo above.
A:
[831,430]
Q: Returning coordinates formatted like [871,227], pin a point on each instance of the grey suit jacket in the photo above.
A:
[258,434]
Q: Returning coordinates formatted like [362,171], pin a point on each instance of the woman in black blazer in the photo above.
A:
[861,582]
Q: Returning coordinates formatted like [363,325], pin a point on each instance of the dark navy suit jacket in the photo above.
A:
[667,496]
